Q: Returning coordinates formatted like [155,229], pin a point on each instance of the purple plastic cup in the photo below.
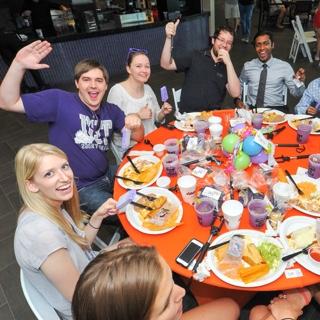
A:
[204,208]
[257,212]
[256,121]
[314,166]
[172,146]
[171,163]
[201,126]
[303,132]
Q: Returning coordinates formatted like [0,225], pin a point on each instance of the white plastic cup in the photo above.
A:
[187,186]
[216,130]
[159,149]
[214,120]
[232,212]
[282,192]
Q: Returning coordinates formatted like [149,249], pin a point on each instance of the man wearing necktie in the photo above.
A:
[267,76]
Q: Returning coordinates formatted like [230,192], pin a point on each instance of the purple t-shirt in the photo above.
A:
[82,134]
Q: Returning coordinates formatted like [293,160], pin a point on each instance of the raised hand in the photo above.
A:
[145,112]
[132,121]
[171,28]
[300,75]
[30,56]
[108,208]
[166,108]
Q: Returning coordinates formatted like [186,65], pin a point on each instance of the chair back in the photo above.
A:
[37,303]
[176,99]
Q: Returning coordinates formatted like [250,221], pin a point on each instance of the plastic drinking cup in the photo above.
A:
[214,120]
[303,132]
[200,126]
[314,166]
[256,121]
[282,193]
[204,208]
[187,186]
[172,146]
[232,212]
[159,149]
[171,163]
[257,212]
[216,130]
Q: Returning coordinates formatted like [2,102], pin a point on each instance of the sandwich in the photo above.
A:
[301,238]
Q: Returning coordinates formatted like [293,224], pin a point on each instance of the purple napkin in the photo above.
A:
[126,199]
[164,94]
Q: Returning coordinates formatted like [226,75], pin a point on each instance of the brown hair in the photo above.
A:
[86,65]
[26,163]
[133,52]
[118,285]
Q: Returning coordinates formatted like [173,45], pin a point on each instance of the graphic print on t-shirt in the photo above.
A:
[94,133]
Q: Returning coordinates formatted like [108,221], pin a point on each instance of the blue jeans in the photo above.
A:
[245,18]
[95,194]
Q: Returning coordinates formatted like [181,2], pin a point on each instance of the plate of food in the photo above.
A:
[165,215]
[297,119]
[260,263]
[296,233]
[309,202]
[186,123]
[150,168]
[272,116]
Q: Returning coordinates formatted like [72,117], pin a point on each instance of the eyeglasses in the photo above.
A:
[132,51]
[228,43]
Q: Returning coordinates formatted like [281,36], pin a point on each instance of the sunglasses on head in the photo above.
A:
[132,51]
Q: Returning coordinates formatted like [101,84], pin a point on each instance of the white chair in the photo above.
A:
[301,40]
[176,99]
[37,303]
[245,94]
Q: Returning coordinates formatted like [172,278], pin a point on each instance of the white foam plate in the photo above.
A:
[179,124]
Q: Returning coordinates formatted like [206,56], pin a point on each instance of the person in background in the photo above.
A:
[136,283]
[208,74]
[80,123]
[11,41]
[133,95]
[246,10]
[316,26]
[310,100]
[276,7]
[52,244]
[231,12]
[279,74]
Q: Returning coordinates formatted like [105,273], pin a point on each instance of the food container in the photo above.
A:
[314,254]
[163,182]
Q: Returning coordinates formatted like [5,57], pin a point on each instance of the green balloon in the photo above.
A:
[242,161]
[229,142]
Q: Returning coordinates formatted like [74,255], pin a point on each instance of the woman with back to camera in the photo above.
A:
[136,283]
[133,95]
[51,244]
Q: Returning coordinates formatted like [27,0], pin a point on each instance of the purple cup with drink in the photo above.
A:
[171,163]
[303,132]
[257,212]
[205,209]
[201,126]
[256,121]
[314,166]
[172,146]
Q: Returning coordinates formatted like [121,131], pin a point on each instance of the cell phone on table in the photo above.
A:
[189,252]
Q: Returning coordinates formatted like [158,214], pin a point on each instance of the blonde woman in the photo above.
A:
[135,283]
[52,244]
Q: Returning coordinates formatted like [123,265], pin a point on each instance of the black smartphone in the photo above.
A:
[189,252]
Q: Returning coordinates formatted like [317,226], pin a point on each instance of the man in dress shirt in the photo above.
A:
[208,73]
[279,74]
[310,101]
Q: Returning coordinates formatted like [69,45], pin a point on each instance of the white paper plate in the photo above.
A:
[257,237]
[302,178]
[269,110]
[139,186]
[291,118]
[179,124]
[291,224]
[133,217]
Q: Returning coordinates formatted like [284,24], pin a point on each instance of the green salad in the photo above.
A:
[270,253]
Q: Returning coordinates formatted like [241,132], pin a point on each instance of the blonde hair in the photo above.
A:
[119,285]
[27,161]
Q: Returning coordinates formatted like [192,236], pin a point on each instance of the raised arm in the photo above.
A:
[29,57]
[166,60]
[134,123]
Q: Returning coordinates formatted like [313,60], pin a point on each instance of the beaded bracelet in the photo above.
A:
[93,226]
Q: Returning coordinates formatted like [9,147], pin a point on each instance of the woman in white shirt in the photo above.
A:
[133,95]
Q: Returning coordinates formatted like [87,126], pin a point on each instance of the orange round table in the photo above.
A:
[171,243]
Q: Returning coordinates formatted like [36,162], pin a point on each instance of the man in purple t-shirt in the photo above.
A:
[79,123]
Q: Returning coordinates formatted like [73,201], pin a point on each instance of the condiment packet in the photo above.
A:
[293,273]
[203,271]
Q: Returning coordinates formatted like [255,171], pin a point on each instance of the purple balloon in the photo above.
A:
[259,158]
